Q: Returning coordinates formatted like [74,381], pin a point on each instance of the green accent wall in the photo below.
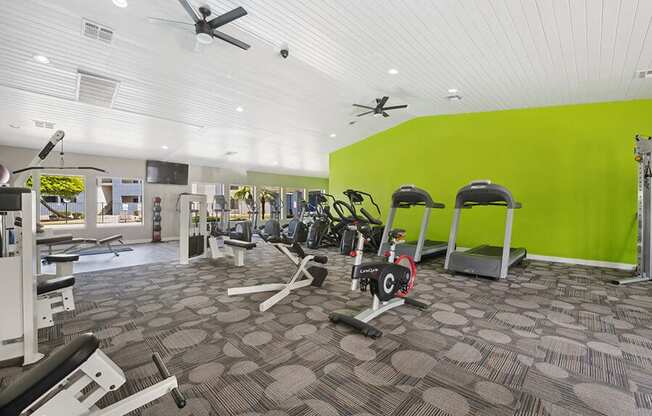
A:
[308,182]
[572,168]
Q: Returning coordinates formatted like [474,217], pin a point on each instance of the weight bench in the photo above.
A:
[74,378]
[305,275]
[230,248]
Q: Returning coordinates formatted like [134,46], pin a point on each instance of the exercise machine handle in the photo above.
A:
[162,369]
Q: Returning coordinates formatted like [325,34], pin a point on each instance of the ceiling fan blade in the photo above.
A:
[385,114]
[382,101]
[167,22]
[231,40]
[227,17]
[395,107]
[364,114]
[363,106]
[190,10]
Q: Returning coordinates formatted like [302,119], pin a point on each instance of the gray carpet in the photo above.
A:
[550,340]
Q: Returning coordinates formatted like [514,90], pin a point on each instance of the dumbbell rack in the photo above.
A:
[156,220]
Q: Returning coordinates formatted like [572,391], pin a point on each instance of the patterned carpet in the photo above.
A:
[550,340]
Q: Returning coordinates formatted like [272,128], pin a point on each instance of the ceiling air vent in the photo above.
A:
[646,73]
[96,31]
[44,124]
[96,89]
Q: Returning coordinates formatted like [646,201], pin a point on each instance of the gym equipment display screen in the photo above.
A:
[167,173]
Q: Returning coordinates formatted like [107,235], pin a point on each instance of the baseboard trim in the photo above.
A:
[582,262]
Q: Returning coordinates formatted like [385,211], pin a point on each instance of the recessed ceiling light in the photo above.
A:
[333,135]
[239,109]
[275,163]
[14,126]
[376,114]
[41,59]
[120,3]
[453,91]
[164,147]
[392,71]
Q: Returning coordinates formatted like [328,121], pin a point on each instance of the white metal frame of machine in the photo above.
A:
[80,388]
[301,278]
[19,327]
[185,216]
[643,156]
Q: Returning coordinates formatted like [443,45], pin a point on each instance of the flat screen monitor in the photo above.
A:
[167,173]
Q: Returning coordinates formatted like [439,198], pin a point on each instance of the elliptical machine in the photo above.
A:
[325,230]
[272,228]
[389,282]
[242,230]
[374,229]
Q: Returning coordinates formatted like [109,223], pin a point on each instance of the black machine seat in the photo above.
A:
[61,258]
[36,381]
[51,285]
[57,239]
[110,238]
[240,244]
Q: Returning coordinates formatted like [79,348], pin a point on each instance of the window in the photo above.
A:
[269,200]
[119,201]
[63,200]
[294,201]
[242,202]
[312,199]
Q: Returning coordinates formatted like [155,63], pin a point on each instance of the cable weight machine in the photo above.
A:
[644,213]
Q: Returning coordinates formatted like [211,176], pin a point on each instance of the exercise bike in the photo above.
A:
[389,282]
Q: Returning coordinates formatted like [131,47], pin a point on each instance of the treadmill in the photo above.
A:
[408,196]
[484,260]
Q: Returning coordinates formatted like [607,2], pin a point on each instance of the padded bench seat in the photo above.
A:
[57,239]
[240,244]
[110,238]
[51,285]
[36,381]
[61,258]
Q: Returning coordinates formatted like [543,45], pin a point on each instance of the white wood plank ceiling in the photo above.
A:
[499,54]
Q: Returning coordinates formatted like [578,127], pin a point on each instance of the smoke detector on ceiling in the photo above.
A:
[96,31]
[645,74]
[96,89]
[44,124]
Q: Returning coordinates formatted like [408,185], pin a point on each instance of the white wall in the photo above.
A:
[15,158]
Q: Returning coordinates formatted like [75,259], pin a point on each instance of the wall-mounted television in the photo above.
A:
[167,173]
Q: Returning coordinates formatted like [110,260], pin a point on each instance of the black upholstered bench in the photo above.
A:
[48,373]
[74,378]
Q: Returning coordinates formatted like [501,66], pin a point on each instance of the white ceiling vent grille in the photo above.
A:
[646,73]
[96,89]
[96,31]
[44,124]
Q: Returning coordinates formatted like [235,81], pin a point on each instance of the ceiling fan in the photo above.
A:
[206,30]
[379,109]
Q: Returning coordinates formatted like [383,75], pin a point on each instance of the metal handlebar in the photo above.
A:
[162,369]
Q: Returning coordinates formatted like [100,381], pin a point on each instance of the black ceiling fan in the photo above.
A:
[379,109]
[206,30]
